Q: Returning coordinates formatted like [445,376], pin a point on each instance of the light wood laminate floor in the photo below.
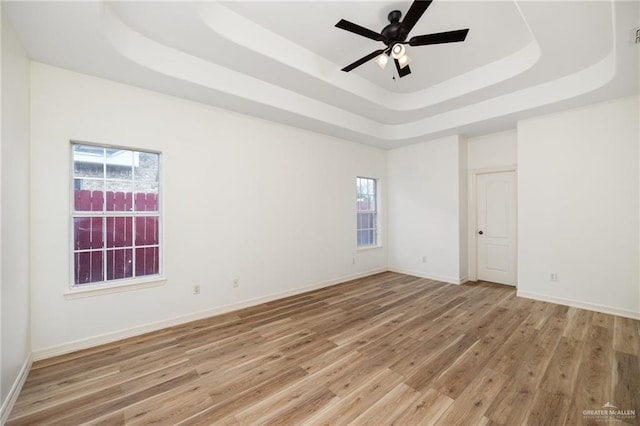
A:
[387,349]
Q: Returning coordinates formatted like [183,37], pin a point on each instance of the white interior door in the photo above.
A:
[496,227]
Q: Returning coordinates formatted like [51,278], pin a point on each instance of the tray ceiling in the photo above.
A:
[281,60]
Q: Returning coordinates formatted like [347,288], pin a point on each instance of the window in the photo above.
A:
[367,211]
[115,214]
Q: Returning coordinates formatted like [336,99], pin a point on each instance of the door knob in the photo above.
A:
[480,232]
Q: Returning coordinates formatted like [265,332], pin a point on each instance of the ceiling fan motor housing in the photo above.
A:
[393,33]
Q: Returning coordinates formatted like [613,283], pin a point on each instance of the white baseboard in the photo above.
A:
[10,400]
[579,304]
[448,280]
[76,345]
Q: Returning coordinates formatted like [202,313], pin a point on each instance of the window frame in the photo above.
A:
[107,286]
[377,229]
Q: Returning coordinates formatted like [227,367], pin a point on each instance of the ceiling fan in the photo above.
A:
[395,35]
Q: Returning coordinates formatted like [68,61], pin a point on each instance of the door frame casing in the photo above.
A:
[472,212]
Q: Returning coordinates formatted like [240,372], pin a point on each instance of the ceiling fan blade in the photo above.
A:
[402,71]
[361,61]
[438,38]
[418,7]
[357,29]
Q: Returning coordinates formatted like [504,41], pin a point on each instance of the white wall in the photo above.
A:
[493,150]
[244,198]
[578,186]
[14,239]
[424,208]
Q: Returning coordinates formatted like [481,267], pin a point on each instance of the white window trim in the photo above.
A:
[77,291]
[367,248]
[115,286]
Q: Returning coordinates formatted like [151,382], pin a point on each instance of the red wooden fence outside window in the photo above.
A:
[126,246]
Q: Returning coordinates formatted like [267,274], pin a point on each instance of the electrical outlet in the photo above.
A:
[553,277]
[353,260]
[196,289]
[424,259]
[236,283]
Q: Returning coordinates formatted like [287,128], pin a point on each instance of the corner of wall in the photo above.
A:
[14,392]
[15,318]
[463,209]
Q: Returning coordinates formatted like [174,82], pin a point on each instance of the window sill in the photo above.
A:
[367,248]
[100,289]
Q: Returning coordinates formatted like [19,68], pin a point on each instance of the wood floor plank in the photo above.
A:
[35,397]
[551,403]
[430,369]
[625,337]
[73,406]
[512,405]
[319,321]
[550,408]
[626,393]
[169,407]
[491,334]
[234,402]
[389,407]
[71,360]
[128,382]
[245,376]
[423,324]
[365,328]
[593,386]
[539,313]
[330,359]
[578,324]
[364,396]
[562,370]
[113,419]
[603,320]
[471,406]
[355,374]
[422,350]
[298,412]
[507,360]
[425,411]
[293,403]
[127,400]
[380,350]
[154,360]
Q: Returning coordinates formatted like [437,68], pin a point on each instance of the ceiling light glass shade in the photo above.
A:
[403,61]
[398,51]
[382,60]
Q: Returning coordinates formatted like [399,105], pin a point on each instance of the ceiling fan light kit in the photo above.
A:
[382,60]
[404,61]
[395,35]
[398,51]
